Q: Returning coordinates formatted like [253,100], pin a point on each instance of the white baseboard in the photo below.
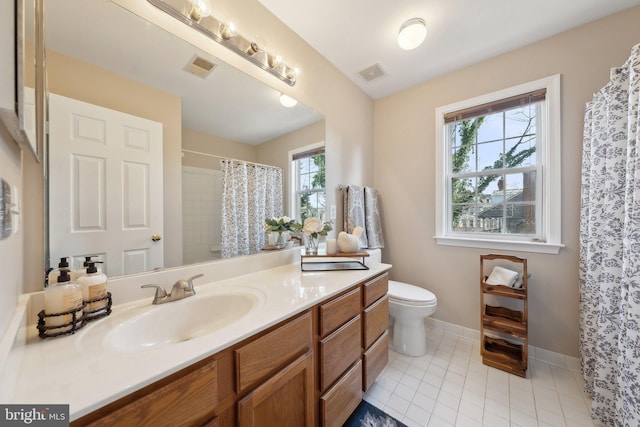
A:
[536,353]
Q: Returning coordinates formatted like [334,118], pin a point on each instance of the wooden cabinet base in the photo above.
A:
[166,405]
[340,400]
[375,359]
[285,400]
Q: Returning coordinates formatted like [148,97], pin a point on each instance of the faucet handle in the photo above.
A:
[160,292]
[190,282]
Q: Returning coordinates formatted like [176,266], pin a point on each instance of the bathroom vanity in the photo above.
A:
[304,354]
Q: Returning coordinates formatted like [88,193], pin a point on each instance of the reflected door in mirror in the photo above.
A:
[105,180]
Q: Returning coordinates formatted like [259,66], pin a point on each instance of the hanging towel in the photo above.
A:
[361,209]
[372,219]
[502,276]
[354,211]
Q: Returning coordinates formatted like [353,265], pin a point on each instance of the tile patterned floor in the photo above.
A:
[450,386]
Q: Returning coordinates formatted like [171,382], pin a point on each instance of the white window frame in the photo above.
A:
[548,154]
[294,178]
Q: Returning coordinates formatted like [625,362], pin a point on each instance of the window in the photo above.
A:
[308,182]
[498,170]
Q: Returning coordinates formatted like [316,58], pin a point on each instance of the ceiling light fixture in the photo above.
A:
[197,15]
[412,33]
[287,101]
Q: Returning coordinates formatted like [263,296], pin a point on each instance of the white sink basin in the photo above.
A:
[152,326]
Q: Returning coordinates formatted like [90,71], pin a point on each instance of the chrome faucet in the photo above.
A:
[181,289]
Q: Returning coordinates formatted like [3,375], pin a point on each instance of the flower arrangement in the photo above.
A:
[314,227]
[281,224]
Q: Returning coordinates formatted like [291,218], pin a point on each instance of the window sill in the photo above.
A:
[507,245]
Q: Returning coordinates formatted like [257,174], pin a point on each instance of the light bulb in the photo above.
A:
[227,30]
[287,101]
[412,33]
[200,9]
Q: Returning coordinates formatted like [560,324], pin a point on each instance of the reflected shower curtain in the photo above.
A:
[250,194]
[609,273]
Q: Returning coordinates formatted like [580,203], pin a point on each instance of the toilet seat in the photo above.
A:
[410,294]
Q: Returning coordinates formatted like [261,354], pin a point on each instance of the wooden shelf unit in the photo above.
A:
[504,331]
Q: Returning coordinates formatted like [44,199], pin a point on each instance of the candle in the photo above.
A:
[331,246]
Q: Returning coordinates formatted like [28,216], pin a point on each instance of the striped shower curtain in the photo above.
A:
[250,194]
[609,274]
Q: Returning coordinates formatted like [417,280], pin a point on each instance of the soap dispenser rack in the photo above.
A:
[77,322]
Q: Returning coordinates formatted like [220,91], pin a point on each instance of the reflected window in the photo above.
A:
[308,183]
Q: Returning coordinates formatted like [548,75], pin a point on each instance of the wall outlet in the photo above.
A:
[332,212]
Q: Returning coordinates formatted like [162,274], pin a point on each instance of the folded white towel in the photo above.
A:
[502,276]
[519,282]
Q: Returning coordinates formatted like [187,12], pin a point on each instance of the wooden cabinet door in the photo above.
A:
[284,400]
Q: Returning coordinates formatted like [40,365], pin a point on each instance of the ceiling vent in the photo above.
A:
[372,73]
[199,66]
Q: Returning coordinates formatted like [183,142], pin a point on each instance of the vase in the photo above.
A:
[281,240]
[311,245]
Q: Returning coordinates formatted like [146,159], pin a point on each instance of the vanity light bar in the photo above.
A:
[223,34]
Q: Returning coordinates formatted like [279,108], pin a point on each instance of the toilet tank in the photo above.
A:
[375,255]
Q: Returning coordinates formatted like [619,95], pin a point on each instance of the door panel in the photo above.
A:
[105,180]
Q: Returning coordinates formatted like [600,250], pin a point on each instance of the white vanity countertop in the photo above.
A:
[77,370]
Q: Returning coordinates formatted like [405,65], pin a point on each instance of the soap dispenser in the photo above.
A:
[62,265]
[93,285]
[62,296]
[82,271]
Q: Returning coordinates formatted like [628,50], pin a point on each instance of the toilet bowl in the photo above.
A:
[409,305]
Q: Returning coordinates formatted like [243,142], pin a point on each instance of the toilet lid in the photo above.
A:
[410,293]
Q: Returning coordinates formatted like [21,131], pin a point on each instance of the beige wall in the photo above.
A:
[213,144]
[276,152]
[404,175]
[11,248]
[72,78]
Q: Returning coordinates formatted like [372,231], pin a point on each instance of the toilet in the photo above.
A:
[409,305]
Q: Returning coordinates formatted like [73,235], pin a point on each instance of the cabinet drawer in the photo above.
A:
[375,289]
[340,401]
[339,311]
[376,321]
[375,359]
[269,353]
[338,351]
[189,400]
[286,399]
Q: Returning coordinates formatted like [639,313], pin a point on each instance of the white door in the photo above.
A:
[105,187]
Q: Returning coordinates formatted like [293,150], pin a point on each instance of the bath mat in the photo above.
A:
[367,415]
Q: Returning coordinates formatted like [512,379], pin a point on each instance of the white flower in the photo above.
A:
[285,219]
[312,226]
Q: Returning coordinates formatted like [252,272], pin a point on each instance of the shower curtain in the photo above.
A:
[250,194]
[609,271]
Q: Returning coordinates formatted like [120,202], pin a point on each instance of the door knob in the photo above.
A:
[156,237]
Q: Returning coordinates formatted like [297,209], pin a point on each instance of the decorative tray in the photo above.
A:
[336,262]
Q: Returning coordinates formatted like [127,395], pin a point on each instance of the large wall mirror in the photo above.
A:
[106,65]
[22,115]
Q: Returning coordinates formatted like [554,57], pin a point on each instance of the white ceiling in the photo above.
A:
[355,34]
